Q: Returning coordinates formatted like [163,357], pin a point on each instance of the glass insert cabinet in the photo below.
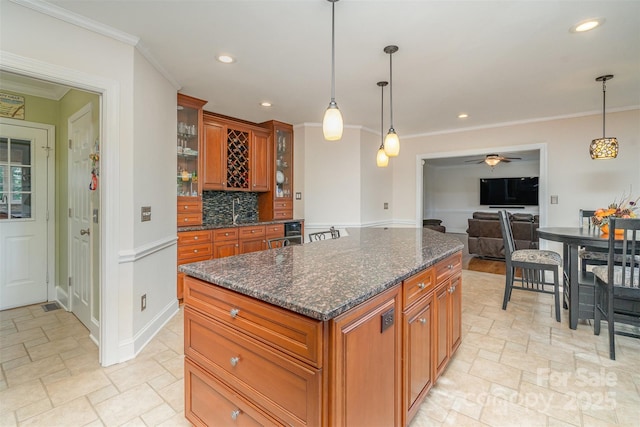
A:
[15,178]
[284,163]
[188,147]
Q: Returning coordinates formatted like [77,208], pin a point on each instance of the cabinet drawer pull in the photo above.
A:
[450,266]
[234,361]
[195,251]
[253,231]
[451,289]
[195,238]
[186,207]
[186,219]
[423,321]
[234,312]
[226,234]
[422,285]
[234,414]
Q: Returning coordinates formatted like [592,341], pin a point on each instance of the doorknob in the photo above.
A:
[83,232]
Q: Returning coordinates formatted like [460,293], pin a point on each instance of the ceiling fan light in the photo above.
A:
[392,143]
[332,124]
[382,160]
[604,148]
[492,161]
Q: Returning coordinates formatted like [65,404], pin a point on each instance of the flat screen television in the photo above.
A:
[521,191]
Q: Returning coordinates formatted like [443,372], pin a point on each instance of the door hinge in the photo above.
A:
[69,212]
[47,215]
[47,278]
[69,281]
[70,144]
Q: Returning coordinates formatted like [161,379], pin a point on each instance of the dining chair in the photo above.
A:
[278,242]
[589,256]
[323,235]
[618,284]
[534,263]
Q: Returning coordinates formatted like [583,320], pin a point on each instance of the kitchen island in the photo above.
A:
[352,331]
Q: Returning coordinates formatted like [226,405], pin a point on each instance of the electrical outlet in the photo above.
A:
[143,302]
[386,205]
[554,200]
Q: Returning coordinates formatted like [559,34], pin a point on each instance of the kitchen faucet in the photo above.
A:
[233,209]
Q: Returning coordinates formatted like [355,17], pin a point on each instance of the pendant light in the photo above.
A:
[382,159]
[332,122]
[391,141]
[604,148]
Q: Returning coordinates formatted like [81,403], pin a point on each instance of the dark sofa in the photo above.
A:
[485,236]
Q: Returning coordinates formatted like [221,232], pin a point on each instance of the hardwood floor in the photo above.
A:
[475,263]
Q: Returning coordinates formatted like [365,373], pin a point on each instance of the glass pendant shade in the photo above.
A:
[332,123]
[491,161]
[382,160]
[604,148]
[392,143]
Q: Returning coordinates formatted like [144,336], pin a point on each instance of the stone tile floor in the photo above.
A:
[514,367]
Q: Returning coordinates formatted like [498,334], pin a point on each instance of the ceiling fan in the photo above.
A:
[493,159]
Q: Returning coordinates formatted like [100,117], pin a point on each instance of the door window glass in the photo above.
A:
[15,178]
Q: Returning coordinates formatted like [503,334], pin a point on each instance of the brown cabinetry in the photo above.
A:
[236,155]
[252,239]
[372,365]
[189,211]
[447,311]
[193,246]
[225,242]
[277,203]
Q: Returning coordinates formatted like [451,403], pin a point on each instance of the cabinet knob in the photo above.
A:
[195,251]
[450,266]
[234,361]
[186,207]
[423,321]
[451,289]
[195,238]
[234,312]
[226,234]
[234,414]
[186,219]
[253,231]
[422,285]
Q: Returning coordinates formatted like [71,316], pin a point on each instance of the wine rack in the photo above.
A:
[237,159]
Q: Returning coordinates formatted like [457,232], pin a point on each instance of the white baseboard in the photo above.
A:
[130,348]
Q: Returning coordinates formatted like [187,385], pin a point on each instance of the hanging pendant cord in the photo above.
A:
[391,90]
[604,94]
[333,53]
[382,118]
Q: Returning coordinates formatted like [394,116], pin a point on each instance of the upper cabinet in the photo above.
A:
[278,202]
[236,155]
[188,145]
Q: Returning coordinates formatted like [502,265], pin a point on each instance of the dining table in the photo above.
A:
[578,286]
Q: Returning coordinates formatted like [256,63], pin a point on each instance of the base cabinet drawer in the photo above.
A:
[206,398]
[281,385]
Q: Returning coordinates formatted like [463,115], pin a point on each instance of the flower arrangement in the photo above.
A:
[624,208]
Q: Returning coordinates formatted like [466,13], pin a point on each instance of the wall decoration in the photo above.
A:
[11,106]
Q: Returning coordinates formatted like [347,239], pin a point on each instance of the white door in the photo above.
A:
[80,227]
[24,210]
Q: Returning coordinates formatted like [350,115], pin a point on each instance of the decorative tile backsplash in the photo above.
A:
[217,207]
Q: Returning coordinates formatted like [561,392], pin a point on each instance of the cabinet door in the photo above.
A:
[225,248]
[259,172]
[252,245]
[367,342]
[455,313]
[441,317]
[417,357]
[214,163]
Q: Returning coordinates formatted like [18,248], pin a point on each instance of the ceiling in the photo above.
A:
[498,61]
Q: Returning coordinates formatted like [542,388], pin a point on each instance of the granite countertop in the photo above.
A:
[324,279]
[240,224]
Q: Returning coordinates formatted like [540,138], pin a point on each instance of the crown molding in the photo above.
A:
[99,28]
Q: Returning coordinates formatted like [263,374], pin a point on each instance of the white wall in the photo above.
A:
[375,183]
[456,201]
[579,181]
[72,55]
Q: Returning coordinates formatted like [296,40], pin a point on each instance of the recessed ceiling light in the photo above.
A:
[265,104]
[463,116]
[586,25]
[226,59]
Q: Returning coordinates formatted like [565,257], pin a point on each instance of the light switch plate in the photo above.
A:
[145,214]
[298,195]
[554,200]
